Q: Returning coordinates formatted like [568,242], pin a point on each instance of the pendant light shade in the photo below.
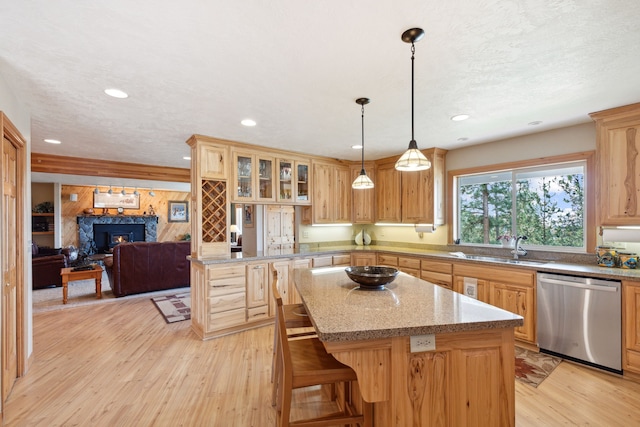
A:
[362,182]
[412,159]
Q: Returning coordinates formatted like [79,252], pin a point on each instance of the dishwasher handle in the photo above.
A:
[604,288]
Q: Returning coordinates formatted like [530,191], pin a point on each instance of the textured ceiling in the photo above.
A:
[296,67]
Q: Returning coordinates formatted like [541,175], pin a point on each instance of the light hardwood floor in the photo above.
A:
[120,364]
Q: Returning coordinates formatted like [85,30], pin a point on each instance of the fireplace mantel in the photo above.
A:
[86,222]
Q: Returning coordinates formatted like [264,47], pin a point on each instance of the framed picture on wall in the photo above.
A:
[178,211]
[116,200]
[247,216]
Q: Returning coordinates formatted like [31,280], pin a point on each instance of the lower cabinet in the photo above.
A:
[361,259]
[508,288]
[257,284]
[437,272]
[405,264]
[631,327]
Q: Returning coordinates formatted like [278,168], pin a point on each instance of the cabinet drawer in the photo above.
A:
[342,260]
[226,286]
[226,319]
[391,260]
[436,266]
[410,263]
[325,261]
[441,279]
[227,302]
[257,313]
[236,270]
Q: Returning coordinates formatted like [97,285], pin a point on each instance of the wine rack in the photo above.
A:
[214,211]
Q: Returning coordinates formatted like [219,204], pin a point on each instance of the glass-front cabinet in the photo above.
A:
[285,181]
[243,177]
[265,179]
[303,187]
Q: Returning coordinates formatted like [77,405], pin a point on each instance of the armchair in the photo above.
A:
[46,264]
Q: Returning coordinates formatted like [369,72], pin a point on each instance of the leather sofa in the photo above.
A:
[46,264]
[140,267]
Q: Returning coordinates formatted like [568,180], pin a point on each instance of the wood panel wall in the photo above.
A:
[167,231]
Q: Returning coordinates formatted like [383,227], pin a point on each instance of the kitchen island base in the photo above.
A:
[469,380]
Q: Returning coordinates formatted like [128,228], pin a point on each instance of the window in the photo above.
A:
[545,203]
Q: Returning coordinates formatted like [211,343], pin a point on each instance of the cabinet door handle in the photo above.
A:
[257,267]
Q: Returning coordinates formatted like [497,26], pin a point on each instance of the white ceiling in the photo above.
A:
[297,66]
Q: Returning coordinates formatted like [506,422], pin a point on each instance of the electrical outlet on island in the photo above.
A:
[423,343]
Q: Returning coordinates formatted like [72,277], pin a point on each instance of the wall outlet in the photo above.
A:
[423,343]
[305,234]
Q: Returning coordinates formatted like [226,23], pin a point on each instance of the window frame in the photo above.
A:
[589,193]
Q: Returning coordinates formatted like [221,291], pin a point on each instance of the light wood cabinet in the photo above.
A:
[218,298]
[257,285]
[364,201]
[280,234]
[618,165]
[412,197]
[210,236]
[253,177]
[508,288]
[361,259]
[243,177]
[631,327]
[437,272]
[303,183]
[388,193]
[409,265]
[331,193]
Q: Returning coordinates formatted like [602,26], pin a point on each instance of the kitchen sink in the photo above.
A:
[502,260]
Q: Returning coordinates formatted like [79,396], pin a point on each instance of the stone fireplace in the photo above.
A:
[99,233]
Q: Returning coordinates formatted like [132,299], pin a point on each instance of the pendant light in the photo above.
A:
[412,159]
[362,182]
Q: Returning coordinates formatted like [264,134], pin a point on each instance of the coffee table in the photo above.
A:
[68,275]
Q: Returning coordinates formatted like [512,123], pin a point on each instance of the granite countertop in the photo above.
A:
[561,266]
[408,306]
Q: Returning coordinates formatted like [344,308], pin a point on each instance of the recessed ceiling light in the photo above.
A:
[536,123]
[53,141]
[248,122]
[116,93]
[186,158]
[356,147]
[460,117]
[463,139]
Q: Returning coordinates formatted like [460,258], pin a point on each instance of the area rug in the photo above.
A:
[174,308]
[532,368]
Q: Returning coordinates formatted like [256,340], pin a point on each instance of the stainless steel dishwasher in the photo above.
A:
[579,318]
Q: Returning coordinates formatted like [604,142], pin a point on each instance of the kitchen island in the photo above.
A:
[423,355]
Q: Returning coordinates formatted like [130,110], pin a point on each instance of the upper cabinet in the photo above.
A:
[209,197]
[363,211]
[618,165]
[253,177]
[411,197]
[331,193]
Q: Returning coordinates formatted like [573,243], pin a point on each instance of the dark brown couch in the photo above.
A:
[148,266]
[46,264]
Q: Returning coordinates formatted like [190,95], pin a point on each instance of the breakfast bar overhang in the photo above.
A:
[423,355]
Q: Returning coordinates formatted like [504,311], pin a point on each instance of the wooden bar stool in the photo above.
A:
[295,318]
[305,363]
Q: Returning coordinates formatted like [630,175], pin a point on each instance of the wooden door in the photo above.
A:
[342,194]
[322,189]
[363,211]
[9,266]
[518,300]
[387,188]
[416,197]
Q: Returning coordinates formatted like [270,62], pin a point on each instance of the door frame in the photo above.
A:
[11,133]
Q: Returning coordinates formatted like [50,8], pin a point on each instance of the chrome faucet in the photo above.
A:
[519,250]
